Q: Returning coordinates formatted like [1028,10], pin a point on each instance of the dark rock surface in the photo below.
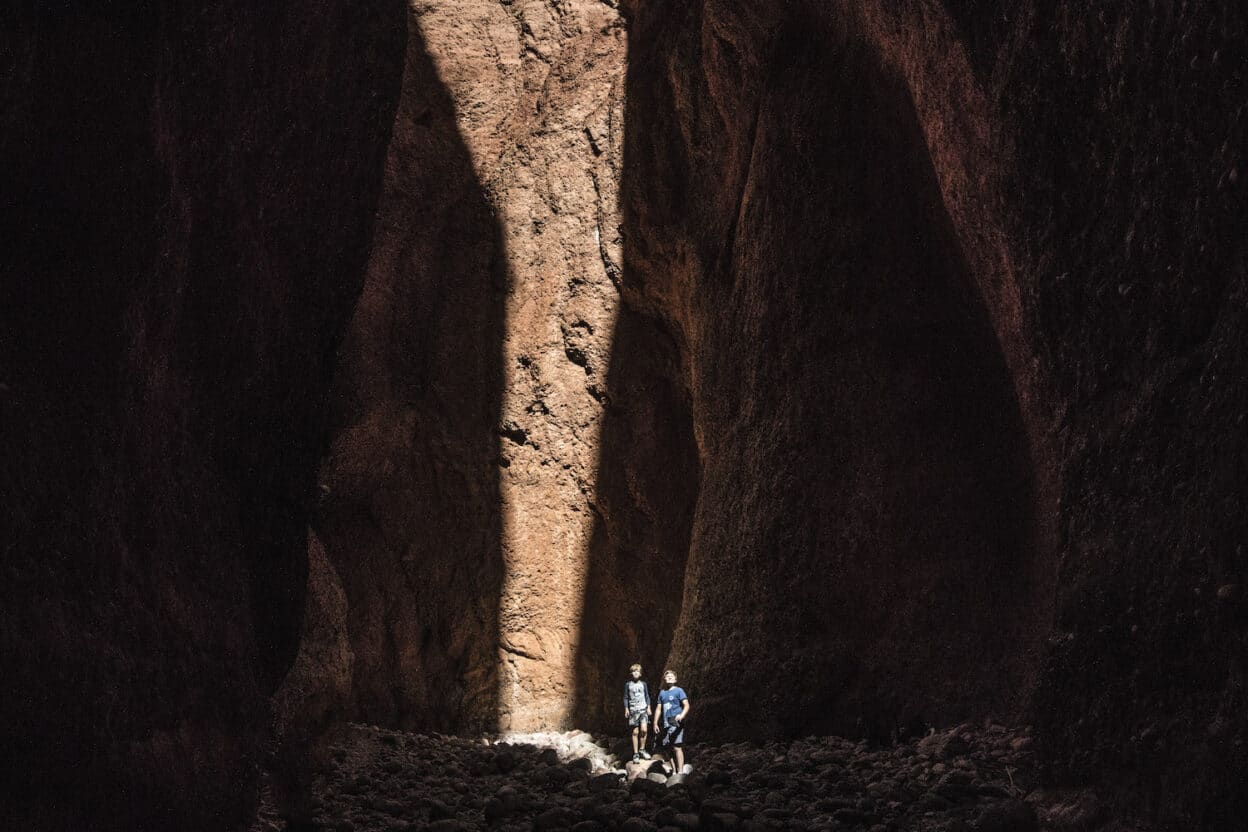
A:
[865,548]
[186,200]
[991,258]
[382,780]
[410,504]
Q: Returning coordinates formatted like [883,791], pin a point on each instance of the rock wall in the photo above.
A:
[187,199]
[905,383]
[962,307]
[863,548]
[459,497]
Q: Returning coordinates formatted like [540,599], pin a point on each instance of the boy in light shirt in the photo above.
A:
[637,710]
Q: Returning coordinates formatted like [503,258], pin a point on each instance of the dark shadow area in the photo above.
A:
[646,490]
[175,284]
[410,507]
[861,549]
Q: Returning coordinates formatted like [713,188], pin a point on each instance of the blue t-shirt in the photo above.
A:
[670,699]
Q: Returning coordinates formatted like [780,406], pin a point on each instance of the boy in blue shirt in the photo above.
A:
[637,710]
[669,718]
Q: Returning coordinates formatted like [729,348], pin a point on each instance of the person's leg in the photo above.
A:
[680,759]
[640,746]
[635,730]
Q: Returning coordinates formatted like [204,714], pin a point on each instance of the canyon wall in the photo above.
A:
[961,293]
[867,412]
[864,547]
[187,203]
[459,495]
[875,364]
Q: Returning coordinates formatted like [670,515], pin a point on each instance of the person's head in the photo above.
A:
[669,677]
[635,670]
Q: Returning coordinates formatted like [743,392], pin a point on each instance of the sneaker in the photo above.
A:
[687,769]
[645,755]
[636,757]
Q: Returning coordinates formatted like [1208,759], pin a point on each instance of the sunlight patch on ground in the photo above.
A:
[569,745]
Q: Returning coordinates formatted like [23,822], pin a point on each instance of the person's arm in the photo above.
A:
[658,711]
[626,700]
[684,710]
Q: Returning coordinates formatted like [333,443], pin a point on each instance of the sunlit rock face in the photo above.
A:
[459,492]
[187,203]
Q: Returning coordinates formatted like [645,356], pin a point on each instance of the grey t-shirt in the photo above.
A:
[637,695]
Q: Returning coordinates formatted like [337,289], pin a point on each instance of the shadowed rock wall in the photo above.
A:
[187,200]
[863,544]
[964,311]
[648,475]
[409,510]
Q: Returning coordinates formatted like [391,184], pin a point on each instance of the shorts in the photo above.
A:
[672,735]
[638,718]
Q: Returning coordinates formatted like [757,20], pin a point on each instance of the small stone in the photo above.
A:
[637,824]
[439,810]
[1007,816]
[558,817]
[505,761]
[723,805]
[605,782]
[722,822]
[852,817]
[449,825]
[644,785]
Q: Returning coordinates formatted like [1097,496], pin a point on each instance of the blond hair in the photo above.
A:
[669,670]
[634,667]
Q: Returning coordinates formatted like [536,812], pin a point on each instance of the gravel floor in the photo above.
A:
[978,778]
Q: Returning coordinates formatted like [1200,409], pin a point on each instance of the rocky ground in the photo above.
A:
[965,779]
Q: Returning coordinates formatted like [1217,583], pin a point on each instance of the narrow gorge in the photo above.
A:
[380,380]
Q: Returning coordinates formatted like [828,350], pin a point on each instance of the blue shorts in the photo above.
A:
[672,735]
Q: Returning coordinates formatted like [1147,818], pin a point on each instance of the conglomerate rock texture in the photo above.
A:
[187,201]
